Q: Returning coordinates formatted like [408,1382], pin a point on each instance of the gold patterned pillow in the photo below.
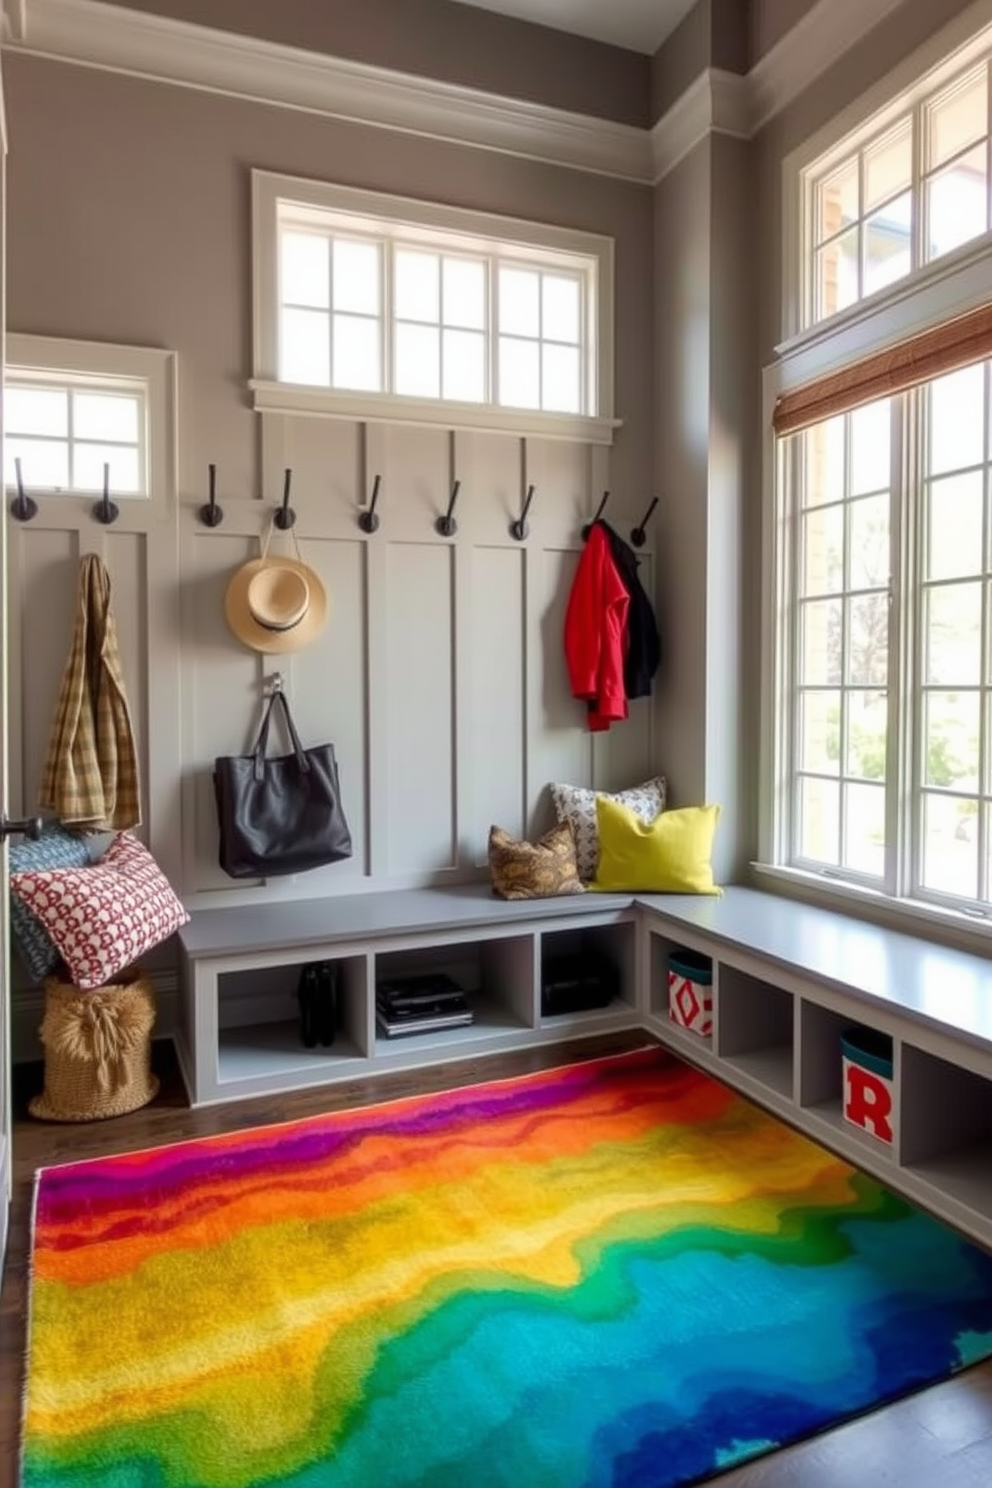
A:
[533,870]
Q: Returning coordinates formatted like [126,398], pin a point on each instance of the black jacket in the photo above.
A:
[643,642]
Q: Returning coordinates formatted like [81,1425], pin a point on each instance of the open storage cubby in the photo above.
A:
[755,1028]
[497,976]
[609,948]
[946,1129]
[258,1027]
[660,950]
[821,1084]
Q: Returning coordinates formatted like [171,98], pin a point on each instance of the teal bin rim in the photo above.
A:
[692,965]
[869,1048]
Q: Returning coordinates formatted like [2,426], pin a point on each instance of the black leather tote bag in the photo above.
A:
[281,814]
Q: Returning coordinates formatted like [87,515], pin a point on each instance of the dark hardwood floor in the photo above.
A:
[940,1438]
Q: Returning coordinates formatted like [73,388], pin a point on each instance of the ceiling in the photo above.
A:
[640,25]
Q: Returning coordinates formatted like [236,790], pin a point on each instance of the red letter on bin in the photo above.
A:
[869,1102]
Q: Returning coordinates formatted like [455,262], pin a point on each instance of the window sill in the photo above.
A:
[286,397]
[951,927]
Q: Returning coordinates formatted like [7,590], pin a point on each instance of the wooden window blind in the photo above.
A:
[932,353]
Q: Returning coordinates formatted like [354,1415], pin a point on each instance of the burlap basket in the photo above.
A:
[97,1050]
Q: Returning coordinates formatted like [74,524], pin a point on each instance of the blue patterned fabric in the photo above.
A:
[55,848]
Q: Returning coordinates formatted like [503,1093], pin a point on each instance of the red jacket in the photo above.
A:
[595,633]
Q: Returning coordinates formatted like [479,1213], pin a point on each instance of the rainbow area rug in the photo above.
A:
[617,1274]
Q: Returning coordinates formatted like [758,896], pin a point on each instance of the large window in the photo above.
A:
[366,302]
[877,757]
[906,191]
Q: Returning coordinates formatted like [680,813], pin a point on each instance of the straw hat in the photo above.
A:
[275,604]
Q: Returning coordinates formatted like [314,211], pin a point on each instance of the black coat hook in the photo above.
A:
[638,536]
[367,520]
[23,506]
[285,517]
[211,514]
[446,525]
[105,510]
[599,512]
[518,529]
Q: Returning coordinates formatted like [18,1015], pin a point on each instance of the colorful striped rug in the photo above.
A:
[615,1273]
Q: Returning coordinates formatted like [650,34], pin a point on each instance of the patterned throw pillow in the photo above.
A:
[533,870]
[55,848]
[102,917]
[576,804]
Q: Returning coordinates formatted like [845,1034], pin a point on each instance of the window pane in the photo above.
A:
[819,732]
[837,274]
[519,373]
[888,166]
[954,513]
[356,277]
[957,119]
[951,739]
[837,201]
[416,286]
[870,556]
[560,379]
[871,449]
[819,820]
[464,366]
[957,420]
[824,451]
[356,353]
[821,643]
[868,640]
[305,347]
[464,286]
[304,270]
[823,550]
[953,635]
[864,829]
[519,307]
[950,846]
[88,461]
[867,735]
[44,463]
[36,411]
[957,204]
[105,416]
[888,244]
[418,361]
[560,309]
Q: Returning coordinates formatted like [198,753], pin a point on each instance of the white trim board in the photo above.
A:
[111,37]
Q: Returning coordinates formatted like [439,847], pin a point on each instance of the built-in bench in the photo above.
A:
[787,980]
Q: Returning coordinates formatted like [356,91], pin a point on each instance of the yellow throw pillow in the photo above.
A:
[670,855]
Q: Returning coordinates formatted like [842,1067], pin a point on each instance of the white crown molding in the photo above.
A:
[814,44]
[113,38]
[716,103]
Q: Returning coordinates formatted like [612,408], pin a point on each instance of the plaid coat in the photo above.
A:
[91,772]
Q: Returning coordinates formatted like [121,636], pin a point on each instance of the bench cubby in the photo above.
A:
[754,1029]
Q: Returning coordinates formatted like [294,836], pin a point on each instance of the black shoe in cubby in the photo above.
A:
[327,1001]
[308,992]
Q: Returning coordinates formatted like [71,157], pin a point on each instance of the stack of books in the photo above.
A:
[420,1004]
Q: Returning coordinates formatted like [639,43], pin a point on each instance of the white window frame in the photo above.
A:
[104,367]
[439,227]
[935,293]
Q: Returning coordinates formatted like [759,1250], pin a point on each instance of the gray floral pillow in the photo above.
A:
[576,804]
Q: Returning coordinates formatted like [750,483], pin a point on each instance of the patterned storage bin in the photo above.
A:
[866,1057]
[690,991]
[97,1050]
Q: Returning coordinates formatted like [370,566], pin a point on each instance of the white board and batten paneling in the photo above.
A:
[440,676]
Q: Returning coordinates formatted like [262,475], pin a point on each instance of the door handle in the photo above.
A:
[29,825]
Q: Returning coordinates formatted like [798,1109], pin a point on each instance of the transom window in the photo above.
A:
[429,311]
[64,435]
[914,188]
